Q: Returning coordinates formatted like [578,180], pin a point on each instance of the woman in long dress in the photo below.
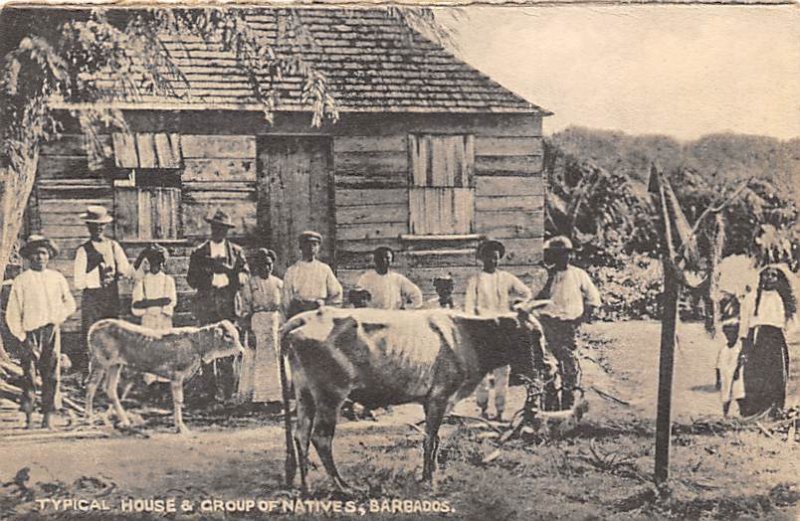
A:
[765,365]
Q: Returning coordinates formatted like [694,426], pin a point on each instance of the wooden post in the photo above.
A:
[669,320]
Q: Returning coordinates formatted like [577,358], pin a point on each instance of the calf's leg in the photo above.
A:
[113,383]
[323,431]
[96,373]
[177,404]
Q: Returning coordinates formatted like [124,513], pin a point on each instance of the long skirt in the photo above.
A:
[765,370]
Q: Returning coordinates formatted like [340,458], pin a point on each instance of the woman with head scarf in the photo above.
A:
[765,355]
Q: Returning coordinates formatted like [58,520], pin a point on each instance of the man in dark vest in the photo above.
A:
[99,264]
[217,269]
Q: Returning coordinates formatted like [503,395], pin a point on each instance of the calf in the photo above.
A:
[175,354]
[380,358]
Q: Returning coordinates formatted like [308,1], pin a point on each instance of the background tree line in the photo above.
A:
[597,194]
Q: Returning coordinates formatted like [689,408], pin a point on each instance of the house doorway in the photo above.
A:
[295,193]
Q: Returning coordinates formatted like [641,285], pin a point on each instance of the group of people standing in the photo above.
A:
[40,299]
[753,365]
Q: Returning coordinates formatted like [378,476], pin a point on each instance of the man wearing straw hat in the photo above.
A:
[573,298]
[40,301]
[217,270]
[308,283]
[99,264]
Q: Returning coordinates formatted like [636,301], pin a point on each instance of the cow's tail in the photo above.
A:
[290,465]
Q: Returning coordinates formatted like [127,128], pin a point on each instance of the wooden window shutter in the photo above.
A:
[442,180]
[147,150]
[147,212]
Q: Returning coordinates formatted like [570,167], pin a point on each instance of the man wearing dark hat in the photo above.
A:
[308,283]
[573,296]
[388,289]
[217,270]
[40,301]
[490,292]
[99,264]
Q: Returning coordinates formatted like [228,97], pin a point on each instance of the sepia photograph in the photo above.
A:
[400,261]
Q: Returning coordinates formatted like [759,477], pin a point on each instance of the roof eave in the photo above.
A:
[255,107]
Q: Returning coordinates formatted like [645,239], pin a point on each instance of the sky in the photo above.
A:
[683,71]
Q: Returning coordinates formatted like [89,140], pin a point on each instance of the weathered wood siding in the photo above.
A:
[370,192]
[219,173]
[374,196]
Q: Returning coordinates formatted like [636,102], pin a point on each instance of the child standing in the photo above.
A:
[40,301]
[154,295]
[729,366]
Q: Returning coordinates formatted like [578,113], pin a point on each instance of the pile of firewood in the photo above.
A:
[11,375]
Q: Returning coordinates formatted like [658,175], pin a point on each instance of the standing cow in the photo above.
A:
[381,358]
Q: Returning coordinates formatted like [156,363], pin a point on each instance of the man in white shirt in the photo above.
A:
[490,292]
[308,283]
[388,289]
[99,264]
[573,298]
[40,301]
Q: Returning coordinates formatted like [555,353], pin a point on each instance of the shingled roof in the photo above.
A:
[372,63]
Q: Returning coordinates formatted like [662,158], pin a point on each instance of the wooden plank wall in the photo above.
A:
[219,173]
[372,200]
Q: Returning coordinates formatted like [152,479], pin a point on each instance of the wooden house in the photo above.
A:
[428,157]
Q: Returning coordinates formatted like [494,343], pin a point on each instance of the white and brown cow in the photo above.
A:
[175,354]
[380,358]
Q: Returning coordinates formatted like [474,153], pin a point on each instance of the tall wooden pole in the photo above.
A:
[672,287]
[669,319]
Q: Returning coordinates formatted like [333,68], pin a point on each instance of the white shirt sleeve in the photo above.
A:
[172,294]
[590,292]
[138,296]
[68,306]
[124,267]
[80,269]
[519,288]
[14,313]
[410,293]
[334,288]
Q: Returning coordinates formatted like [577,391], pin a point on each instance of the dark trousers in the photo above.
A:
[41,353]
[96,304]
[210,306]
[560,336]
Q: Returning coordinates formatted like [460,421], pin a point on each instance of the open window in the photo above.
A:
[442,184]
[147,202]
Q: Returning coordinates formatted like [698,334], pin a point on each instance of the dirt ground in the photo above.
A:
[721,469]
